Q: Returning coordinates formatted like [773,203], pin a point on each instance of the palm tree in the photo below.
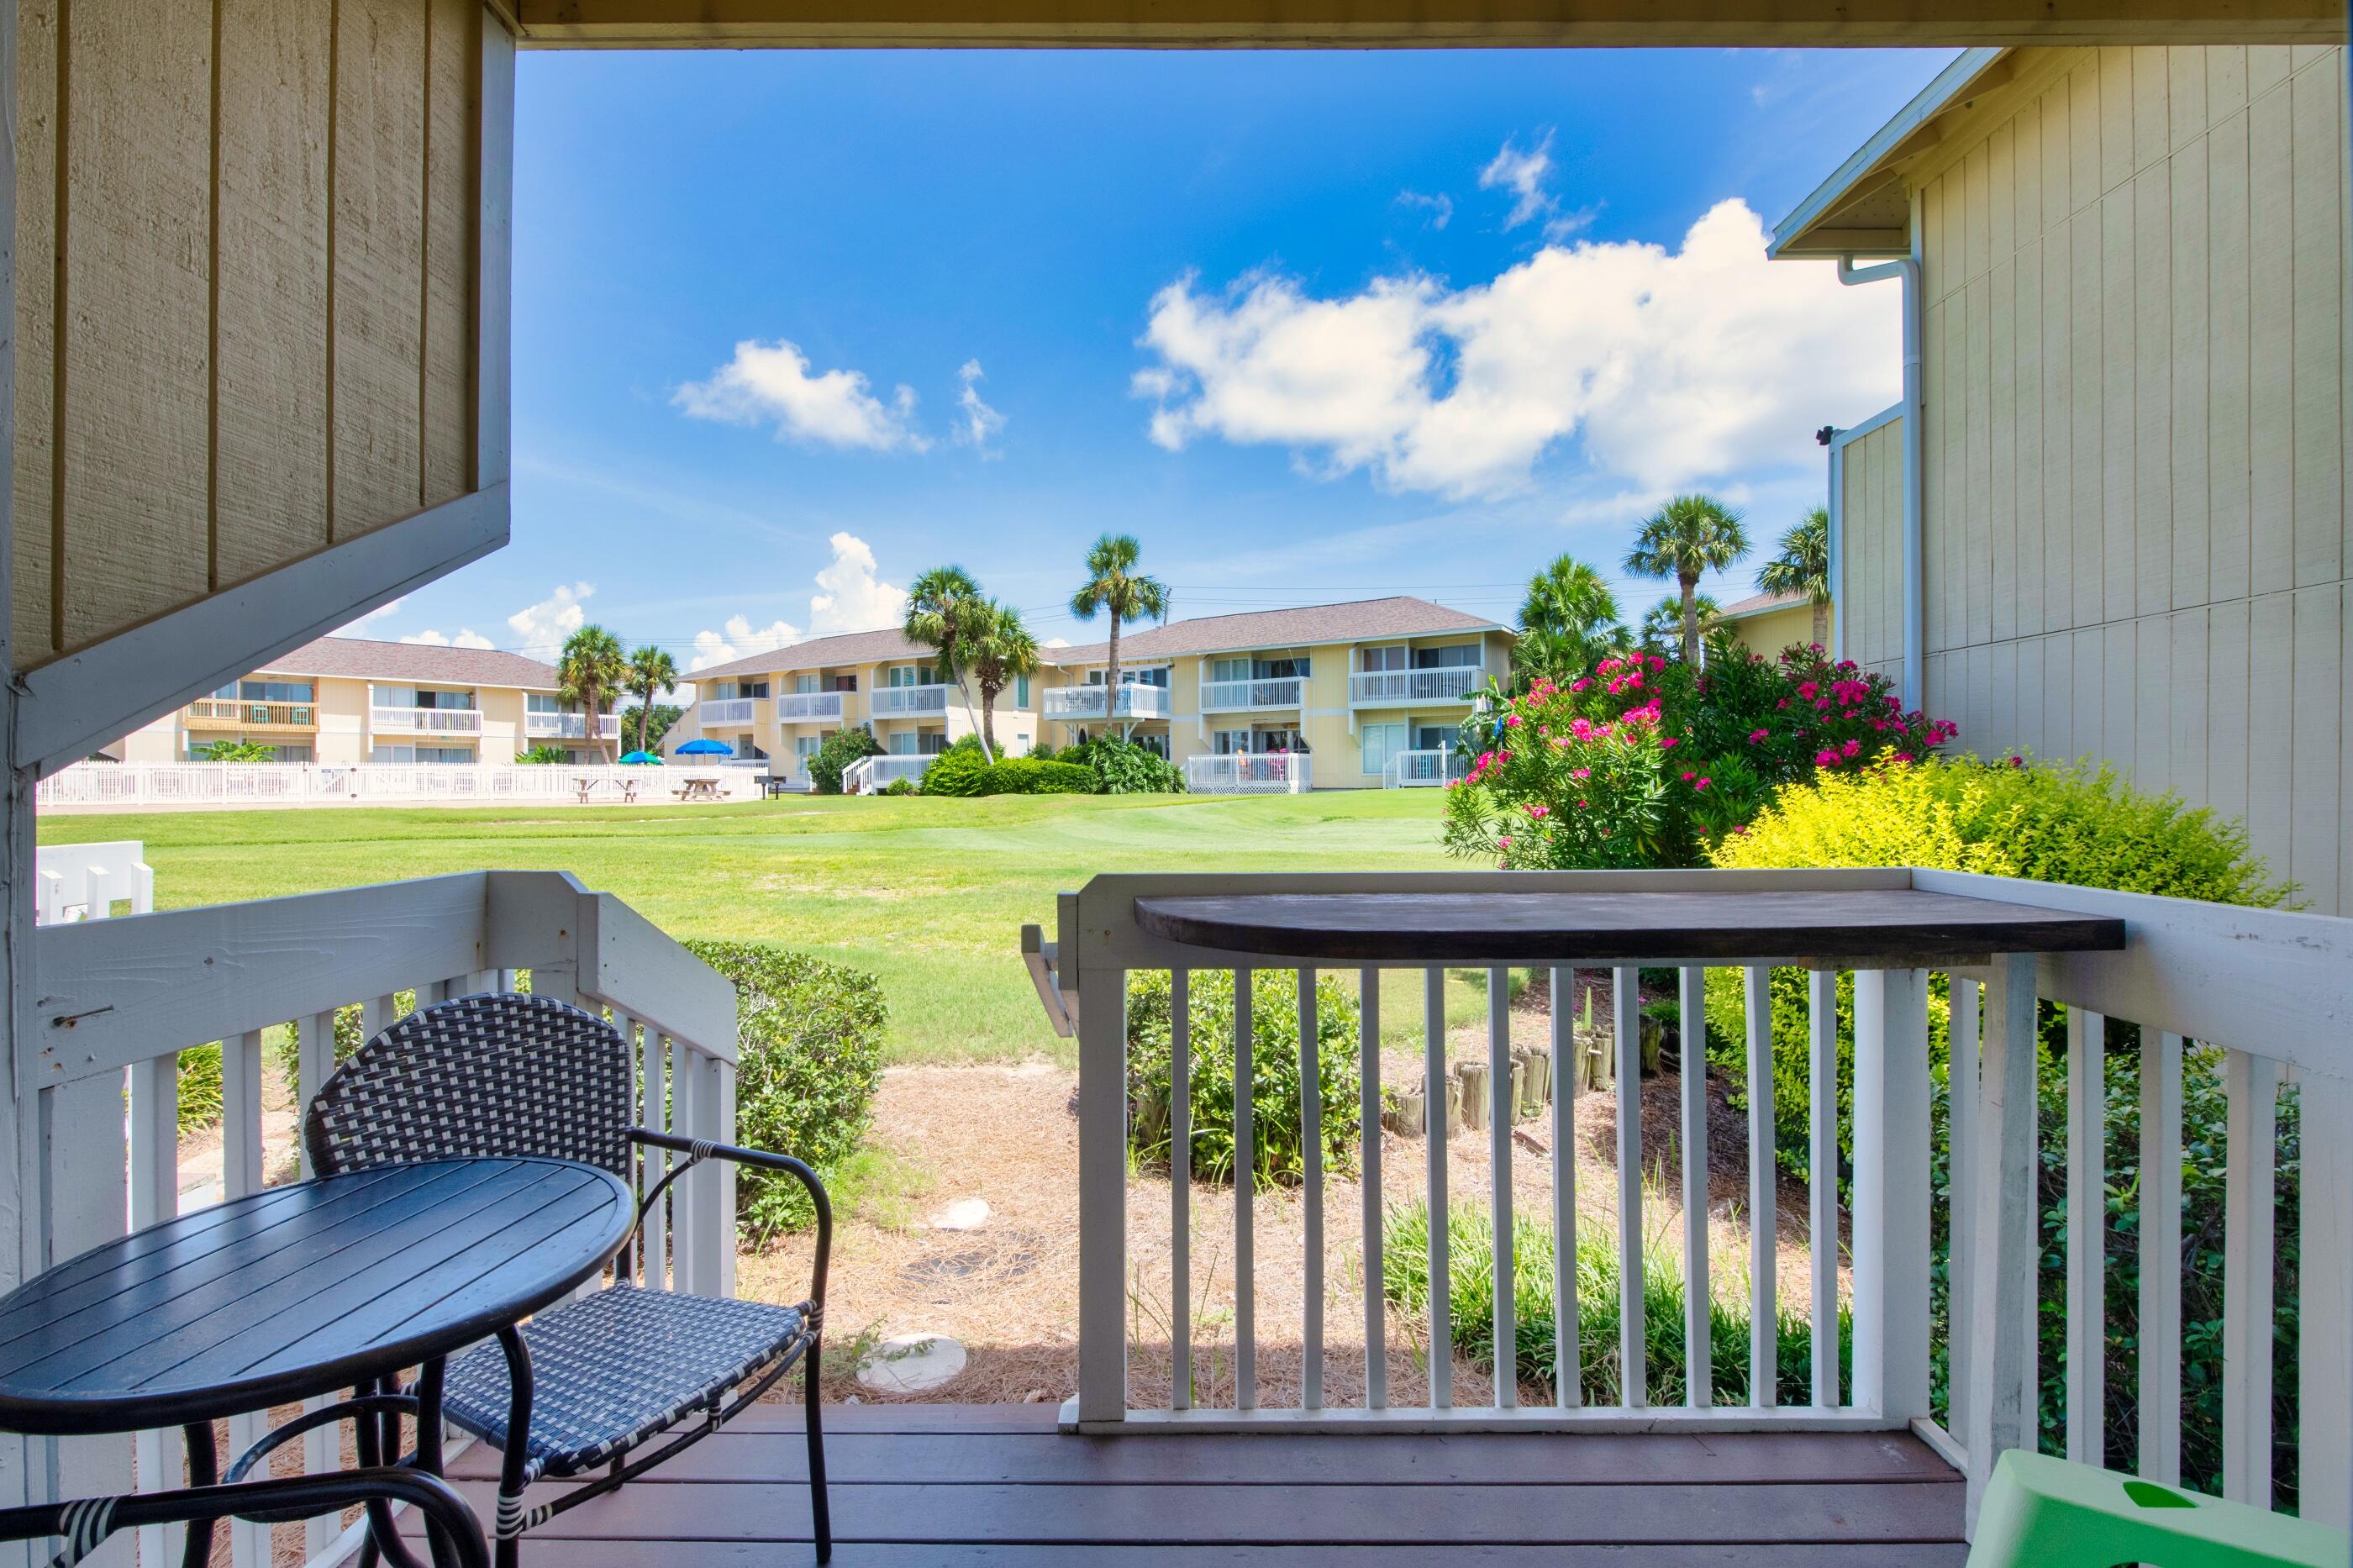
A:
[947,614]
[1113,584]
[1661,628]
[651,670]
[1803,566]
[1683,538]
[590,670]
[1568,620]
[1005,649]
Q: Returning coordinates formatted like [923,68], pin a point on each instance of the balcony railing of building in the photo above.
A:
[899,701]
[1239,696]
[1250,773]
[426,720]
[570,726]
[800,706]
[1136,701]
[129,785]
[2243,1000]
[126,997]
[218,713]
[714,711]
[1387,688]
[1423,769]
[871,775]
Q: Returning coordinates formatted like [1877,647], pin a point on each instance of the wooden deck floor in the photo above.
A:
[954,1485]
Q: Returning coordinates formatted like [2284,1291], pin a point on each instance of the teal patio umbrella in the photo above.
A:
[640,757]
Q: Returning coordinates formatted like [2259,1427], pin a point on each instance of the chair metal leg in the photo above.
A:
[820,1514]
[204,1470]
[369,1435]
[513,1461]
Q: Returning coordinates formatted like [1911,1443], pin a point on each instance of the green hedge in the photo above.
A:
[837,752]
[959,773]
[1278,1149]
[808,1038]
[1037,775]
[1123,767]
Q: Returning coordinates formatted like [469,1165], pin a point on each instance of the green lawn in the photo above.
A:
[929,894]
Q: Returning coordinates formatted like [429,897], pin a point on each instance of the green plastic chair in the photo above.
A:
[2041,1512]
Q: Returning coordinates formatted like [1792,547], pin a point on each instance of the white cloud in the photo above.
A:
[1440,207]
[1055,642]
[467,638]
[854,599]
[739,639]
[1522,174]
[352,628]
[851,598]
[540,629]
[1672,367]
[770,382]
[977,423]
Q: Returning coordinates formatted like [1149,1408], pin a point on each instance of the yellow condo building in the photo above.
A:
[347,701]
[1350,696]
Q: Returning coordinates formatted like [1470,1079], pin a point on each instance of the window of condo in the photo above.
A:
[1459,655]
[1374,660]
[1021,692]
[806,682]
[909,675]
[1158,744]
[1433,738]
[901,745]
[1382,741]
[403,756]
[1230,742]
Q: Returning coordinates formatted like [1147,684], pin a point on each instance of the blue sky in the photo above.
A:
[790,328]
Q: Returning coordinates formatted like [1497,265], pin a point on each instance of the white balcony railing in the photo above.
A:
[1135,702]
[714,711]
[1239,696]
[234,784]
[570,726]
[1423,769]
[871,775]
[898,701]
[1255,773]
[125,996]
[426,720]
[794,707]
[1387,688]
[2240,1002]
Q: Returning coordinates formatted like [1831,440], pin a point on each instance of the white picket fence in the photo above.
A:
[1423,769]
[84,881]
[143,785]
[871,775]
[1251,773]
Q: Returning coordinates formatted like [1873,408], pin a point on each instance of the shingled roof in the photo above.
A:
[848,648]
[1355,620]
[360,659]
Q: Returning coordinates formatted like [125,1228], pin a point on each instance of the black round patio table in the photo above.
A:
[302,1290]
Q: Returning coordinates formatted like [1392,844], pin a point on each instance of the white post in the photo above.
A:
[2006,1254]
[1891,1192]
[1102,1190]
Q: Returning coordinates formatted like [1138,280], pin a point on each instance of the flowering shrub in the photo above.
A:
[1646,761]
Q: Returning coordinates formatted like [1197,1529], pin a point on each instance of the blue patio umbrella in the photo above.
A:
[706,747]
[640,757]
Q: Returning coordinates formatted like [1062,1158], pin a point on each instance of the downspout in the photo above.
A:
[1908,269]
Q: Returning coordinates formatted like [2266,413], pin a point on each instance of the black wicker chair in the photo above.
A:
[611,1371]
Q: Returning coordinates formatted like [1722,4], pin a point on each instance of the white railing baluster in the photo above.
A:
[1821,1176]
[1890,1211]
[1368,1133]
[154,1133]
[1699,1356]
[1961,1092]
[2325,1298]
[242,1173]
[2087,1213]
[1764,1292]
[1311,1137]
[1634,1371]
[1567,1069]
[2160,1256]
[2250,1192]
[1245,1200]
[2002,1410]
[1434,1094]
[1502,1106]
[654,1081]
[314,1062]
[1180,1189]
[1101,1028]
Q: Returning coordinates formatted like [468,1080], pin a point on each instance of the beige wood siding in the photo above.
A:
[1871,549]
[245,262]
[2136,434]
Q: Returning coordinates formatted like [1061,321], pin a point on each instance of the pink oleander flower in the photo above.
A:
[1783,703]
[1826,758]
[1806,688]
[1582,805]
[1756,736]
[1689,776]
[2018,762]
[1905,757]
[1657,662]
[1539,811]
[1855,747]
[1511,719]
[1702,783]
[1505,841]
[1667,743]
[1581,685]
[1580,772]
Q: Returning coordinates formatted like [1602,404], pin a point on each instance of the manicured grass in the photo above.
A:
[928,894]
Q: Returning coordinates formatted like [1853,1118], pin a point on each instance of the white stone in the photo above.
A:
[964,1213]
[912,1364]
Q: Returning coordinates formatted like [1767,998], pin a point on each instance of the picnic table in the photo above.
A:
[698,786]
[588,785]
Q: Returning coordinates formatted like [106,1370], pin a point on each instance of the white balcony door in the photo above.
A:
[1381,743]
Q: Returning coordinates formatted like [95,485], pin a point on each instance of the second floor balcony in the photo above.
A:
[714,711]
[570,726]
[799,707]
[907,701]
[1241,696]
[426,720]
[228,713]
[1135,702]
[1387,688]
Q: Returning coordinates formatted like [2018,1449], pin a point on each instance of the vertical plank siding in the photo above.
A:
[244,319]
[2135,309]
